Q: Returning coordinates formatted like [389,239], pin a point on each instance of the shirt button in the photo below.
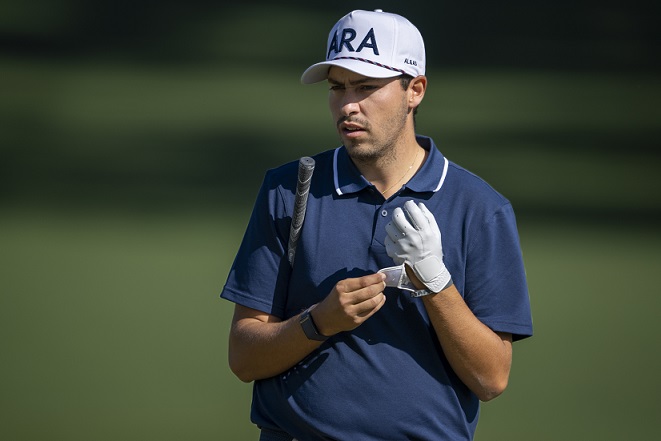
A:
[384,213]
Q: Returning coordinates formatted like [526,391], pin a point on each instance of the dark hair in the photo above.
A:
[405,81]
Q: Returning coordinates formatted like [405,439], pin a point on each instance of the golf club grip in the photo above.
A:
[305,170]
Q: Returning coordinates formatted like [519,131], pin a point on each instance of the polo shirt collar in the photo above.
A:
[430,177]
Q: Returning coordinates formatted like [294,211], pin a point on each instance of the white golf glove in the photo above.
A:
[413,238]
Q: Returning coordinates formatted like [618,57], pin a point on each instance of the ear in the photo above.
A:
[416,91]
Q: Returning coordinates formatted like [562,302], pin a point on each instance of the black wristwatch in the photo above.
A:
[311,331]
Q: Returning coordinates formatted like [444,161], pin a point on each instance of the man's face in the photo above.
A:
[371,114]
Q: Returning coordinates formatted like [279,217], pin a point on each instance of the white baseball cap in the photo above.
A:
[375,44]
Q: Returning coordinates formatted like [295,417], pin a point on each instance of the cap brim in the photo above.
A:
[319,72]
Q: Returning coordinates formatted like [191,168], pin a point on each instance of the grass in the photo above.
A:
[113,329]
[590,370]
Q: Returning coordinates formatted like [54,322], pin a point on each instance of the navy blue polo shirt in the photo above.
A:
[388,378]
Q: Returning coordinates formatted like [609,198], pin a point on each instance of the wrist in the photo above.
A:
[422,289]
[441,281]
[431,273]
[309,326]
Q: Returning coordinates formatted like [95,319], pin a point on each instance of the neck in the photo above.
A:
[396,170]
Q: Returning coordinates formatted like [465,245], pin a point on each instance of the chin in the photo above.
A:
[363,155]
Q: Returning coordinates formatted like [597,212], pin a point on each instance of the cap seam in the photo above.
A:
[365,60]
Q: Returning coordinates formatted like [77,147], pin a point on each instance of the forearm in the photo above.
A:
[480,357]
[260,347]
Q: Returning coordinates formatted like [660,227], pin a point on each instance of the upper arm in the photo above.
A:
[506,338]
[245,325]
[243,314]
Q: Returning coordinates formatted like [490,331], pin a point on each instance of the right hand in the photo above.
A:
[349,304]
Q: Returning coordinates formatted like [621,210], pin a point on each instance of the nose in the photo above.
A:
[349,103]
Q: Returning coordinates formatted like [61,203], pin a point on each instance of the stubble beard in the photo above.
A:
[379,151]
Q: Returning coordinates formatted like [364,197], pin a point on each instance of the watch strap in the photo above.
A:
[309,328]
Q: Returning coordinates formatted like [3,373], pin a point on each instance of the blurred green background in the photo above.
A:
[134,136]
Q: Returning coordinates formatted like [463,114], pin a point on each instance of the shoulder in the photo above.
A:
[464,184]
[278,188]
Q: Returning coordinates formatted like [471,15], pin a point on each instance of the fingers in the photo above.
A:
[425,211]
[399,221]
[364,296]
[359,289]
[411,217]
[351,302]
[370,307]
[430,218]
[417,214]
[393,232]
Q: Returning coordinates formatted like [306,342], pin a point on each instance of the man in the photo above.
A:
[338,349]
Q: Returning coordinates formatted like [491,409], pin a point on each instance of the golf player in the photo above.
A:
[408,288]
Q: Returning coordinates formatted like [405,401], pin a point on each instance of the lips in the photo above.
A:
[351,129]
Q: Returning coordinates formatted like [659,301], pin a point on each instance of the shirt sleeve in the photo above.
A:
[259,276]
[496,288]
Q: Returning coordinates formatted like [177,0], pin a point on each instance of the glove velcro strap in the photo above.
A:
[432,273]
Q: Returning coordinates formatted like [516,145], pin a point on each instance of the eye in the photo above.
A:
[335,88]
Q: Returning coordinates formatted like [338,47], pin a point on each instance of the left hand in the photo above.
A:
[413,237]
